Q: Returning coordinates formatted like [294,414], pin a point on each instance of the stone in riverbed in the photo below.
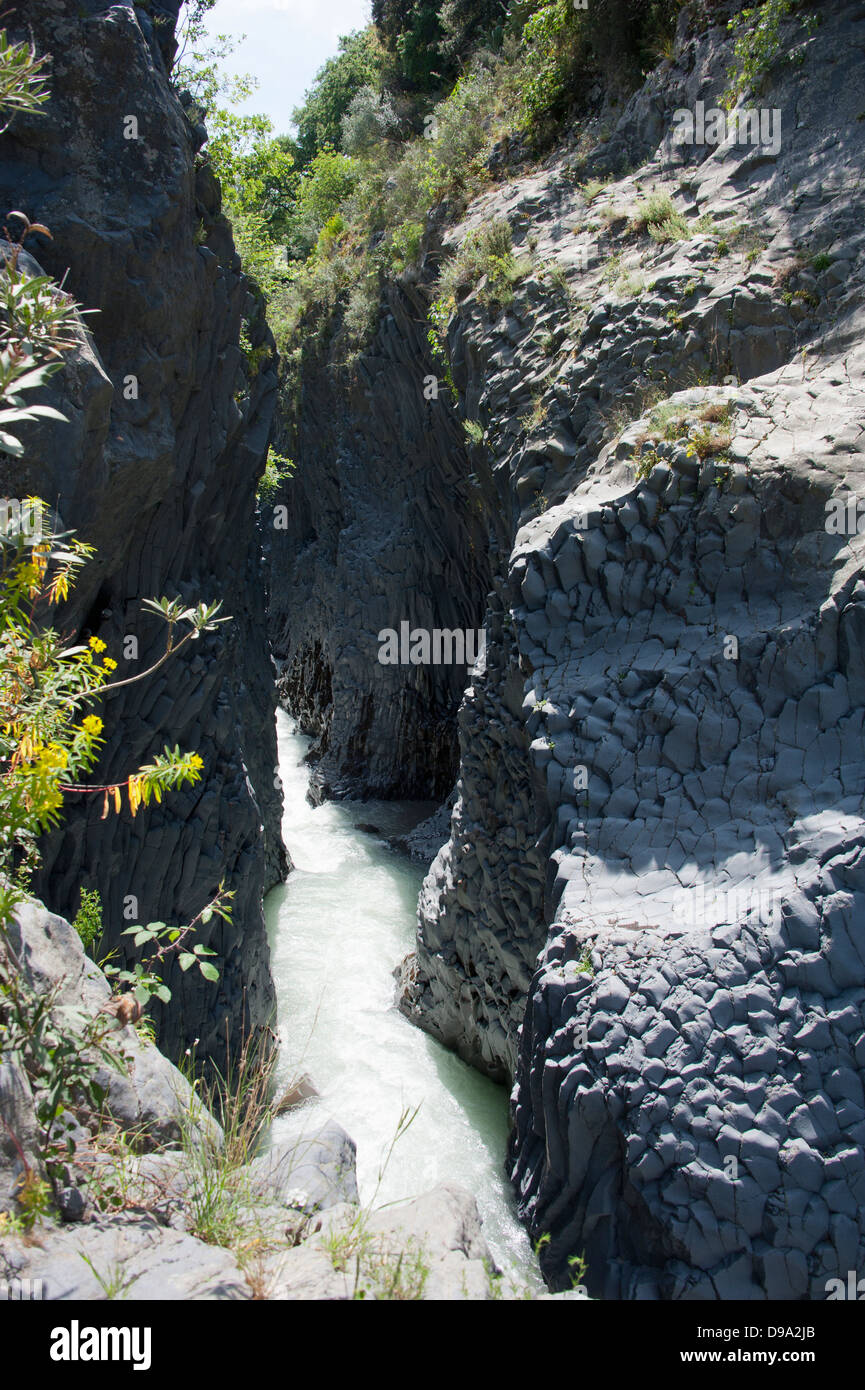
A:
[310,1169]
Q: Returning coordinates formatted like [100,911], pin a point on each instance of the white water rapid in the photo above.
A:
[338,927]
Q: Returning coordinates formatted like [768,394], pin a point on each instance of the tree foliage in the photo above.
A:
[319,118]
[428,41]
[411,32]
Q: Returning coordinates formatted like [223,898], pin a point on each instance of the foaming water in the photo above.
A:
[338,927]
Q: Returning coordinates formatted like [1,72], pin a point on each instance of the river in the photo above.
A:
[338,927]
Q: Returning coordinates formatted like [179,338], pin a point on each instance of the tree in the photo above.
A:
[467,23]
[319,119]
[195,67]
[256,170]
[411,32]
[369,120]
[325,185]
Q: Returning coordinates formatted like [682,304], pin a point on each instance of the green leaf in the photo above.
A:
[186,959]
[47,412]
[11,445]
[209,971]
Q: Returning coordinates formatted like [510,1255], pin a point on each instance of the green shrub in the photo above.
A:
[758,44]
[324,186]
[219,1198]
[651,212]
[405,245]
[277,470]
[362,311]
[88,919]
[485,255]
[330,235]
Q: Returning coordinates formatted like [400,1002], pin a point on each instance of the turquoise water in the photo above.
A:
[338,927]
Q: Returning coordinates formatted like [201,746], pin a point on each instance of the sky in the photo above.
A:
[286,43]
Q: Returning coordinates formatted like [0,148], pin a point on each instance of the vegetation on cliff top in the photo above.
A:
[410,120]
[400,128]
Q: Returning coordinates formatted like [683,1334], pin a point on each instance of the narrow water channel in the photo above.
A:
[338,927]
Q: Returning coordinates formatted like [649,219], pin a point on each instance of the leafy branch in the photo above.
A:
[23,79]
[202,618]
[143,979]
[38,323]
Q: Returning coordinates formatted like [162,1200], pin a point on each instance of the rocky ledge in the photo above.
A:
[137,1217]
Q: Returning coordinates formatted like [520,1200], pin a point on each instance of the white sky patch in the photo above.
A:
[286,43]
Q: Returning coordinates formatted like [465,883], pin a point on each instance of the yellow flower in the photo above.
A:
[96,644]
[109,665]
[52,757]
[92,724]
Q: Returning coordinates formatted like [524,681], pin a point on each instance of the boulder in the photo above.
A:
[311,1170]
[152,1100]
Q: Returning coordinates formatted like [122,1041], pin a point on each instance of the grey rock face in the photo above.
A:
[157,468]
[424,842]
[481,925]
[131,1253]
[19,1138]
[432,1245]
[383,527]
[693,1116]
[674,1111]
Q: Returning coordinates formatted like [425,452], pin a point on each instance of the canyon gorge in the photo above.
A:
[623,452]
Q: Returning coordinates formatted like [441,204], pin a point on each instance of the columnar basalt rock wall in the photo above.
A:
[689,1094]
[159,475]
[384,526]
